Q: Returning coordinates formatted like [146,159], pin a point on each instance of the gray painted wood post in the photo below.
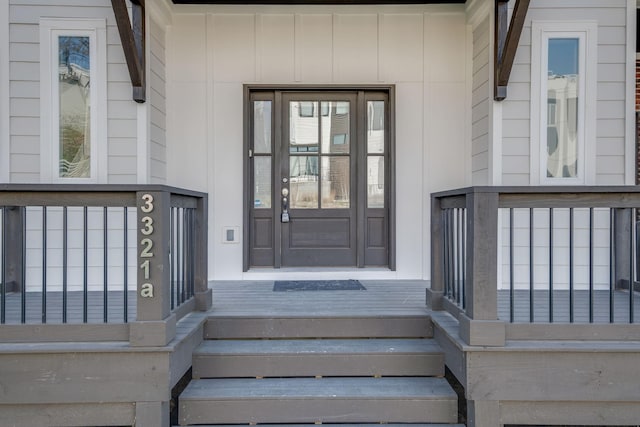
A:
[155,325]
[482,252]
[483,413]
[479,325]
[152,414]
[622,220]
[14,229]
[202,291]
[436,291]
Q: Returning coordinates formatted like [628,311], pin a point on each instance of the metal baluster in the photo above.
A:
[178,257]
[192,257]
[631,262]
[452,253]
[64,264]
[612,261]
[445,234]
[571,277]
[590,265]
[550,265]
[183,288]
[23,267]
[464,256]
[44,264]
[105,228]
[460,255]
[3,273]
[172,265]
[511,270]
[85,275]
[126,265]
[531,265]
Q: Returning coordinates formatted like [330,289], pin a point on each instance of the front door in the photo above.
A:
[318,193]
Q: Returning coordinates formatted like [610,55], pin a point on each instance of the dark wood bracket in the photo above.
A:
[507,37]
[132,36]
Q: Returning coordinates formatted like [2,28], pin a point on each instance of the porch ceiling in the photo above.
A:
[318,2]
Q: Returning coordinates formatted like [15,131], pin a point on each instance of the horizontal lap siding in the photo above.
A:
[481,103]
[24,87]
[157,102]
[611,16]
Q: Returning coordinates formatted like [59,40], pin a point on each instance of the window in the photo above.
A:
[73,99]
[563,85]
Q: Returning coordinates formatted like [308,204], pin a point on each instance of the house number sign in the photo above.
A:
[146,245]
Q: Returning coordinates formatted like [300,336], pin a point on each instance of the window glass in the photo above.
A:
[375,126]
[335,127]
[335,182]
[303,181]
[74,89]
[262,182]
[262,126]
[303,127]
[563,83]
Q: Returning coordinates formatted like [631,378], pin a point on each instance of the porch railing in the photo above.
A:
[100,262]
[537,262]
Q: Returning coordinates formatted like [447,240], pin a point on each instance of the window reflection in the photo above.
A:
[335,127]
[303,127]
[74,68]
[562,108]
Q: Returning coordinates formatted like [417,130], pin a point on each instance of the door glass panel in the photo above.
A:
[303,127]
[262,127]
[303,182]
[562,108]
[375,126]
[262,182]
[335,182]
[335,127]
[375,182]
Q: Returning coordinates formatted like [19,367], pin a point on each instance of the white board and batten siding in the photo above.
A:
[611,110]
[213,51]
[24,89]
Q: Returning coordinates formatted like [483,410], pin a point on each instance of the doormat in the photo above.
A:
[317,285]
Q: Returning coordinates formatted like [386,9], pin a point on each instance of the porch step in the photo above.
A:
[317,326]
[340,425]
[310,358]
[325,400]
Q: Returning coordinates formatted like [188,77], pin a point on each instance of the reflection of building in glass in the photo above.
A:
[562,126]
[74,77]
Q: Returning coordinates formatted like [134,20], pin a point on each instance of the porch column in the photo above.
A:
[479,324]
[13,223]
[483,413]
[155,325]
[435,293]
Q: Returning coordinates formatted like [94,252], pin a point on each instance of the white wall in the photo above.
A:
[157,103]
[213,51]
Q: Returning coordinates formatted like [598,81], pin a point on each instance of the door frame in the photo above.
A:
[248,89]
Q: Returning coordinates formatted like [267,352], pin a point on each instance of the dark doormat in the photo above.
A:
[317,285]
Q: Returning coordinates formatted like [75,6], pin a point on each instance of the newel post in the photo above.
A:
[155,325]
[436,291]
[202,291]
[479,324]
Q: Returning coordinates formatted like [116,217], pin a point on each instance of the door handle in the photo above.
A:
[284,217]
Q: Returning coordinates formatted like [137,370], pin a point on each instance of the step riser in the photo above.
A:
[235,366]
[364,327]
[313,411]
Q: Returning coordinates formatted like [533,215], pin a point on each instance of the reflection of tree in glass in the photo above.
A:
[74,93]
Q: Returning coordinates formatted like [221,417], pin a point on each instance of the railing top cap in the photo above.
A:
[98,188]
[551,189]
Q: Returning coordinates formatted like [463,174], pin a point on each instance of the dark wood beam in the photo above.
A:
[132,36]
[507,37]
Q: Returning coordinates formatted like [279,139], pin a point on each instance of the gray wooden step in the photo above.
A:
[326,400]
[340,425]
[308,358]
[310,326]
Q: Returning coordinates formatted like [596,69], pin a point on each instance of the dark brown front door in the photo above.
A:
[318,181]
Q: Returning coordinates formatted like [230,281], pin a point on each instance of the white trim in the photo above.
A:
[586,32]
[160,11]
[5,111]
[630,103]
[477,10]
[96,30]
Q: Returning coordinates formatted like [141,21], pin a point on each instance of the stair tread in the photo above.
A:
[325,388]
[321,347]
[337,425]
